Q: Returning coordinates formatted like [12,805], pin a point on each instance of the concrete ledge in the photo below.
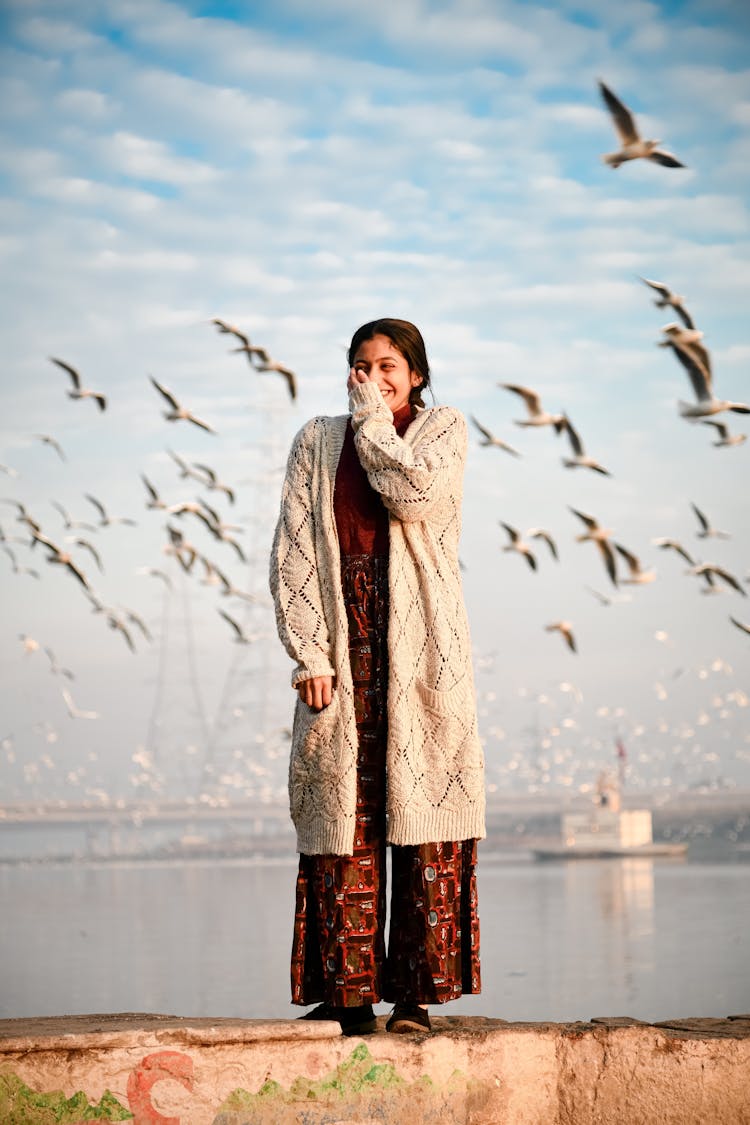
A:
[474,1071]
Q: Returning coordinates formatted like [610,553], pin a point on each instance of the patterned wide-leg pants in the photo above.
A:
[339,948]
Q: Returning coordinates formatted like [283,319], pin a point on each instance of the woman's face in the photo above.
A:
[383,364]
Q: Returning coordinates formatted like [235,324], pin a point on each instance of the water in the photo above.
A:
[652,939]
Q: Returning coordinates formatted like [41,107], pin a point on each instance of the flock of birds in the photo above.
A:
[685,341]
[75,553]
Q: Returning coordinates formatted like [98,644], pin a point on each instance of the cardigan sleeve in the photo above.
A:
[414,479]
[294,571]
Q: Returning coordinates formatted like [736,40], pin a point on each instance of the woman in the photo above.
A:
[385,749]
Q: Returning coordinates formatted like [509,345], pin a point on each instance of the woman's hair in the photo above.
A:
[407,339]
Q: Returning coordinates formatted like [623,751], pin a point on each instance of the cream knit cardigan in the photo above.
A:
[434,762]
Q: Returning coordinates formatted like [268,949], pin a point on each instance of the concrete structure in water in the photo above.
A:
[162,1070]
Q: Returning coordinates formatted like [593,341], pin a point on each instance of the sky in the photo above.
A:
[298,170]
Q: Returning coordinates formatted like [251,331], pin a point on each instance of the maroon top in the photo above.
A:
[361,516]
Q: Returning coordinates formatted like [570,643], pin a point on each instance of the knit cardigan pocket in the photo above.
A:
[452,755]
[315,762]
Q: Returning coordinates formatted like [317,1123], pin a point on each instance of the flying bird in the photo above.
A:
[47,439]
[240,636]
[638,576]
[80,391]
[725,438]
[88,547]
[668,298]
[600,536]
[632,146]
[71,524]
[55,668]
[154,501]
[580,458]
[516,543]
[212,481]
[230,330]
[63,558]
[176,412]
[16,568]
[76,712]
[185,469]
[674,545]
[565,629]
[155,572]
[105,520]
[262,361]
[707,531]
[536,416]
[696,361]
[710,571]
[490,439]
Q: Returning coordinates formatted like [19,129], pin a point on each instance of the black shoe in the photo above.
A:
[353,1021]
[408,1017]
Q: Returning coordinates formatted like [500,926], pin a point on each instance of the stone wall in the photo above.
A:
[161,1070]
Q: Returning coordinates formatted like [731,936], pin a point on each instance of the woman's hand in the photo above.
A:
[317,692]
[357,375]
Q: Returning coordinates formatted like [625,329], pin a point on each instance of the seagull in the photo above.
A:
[212,481]
[707,531]
[106,520]
[537,416]
[262,362]
[61,557]
[696,362]
[185,469]
[55,668]
[215,577]
[240,636]
[179,546]
[632,146]
[177,412]
[517,544]
[135,619]
[156,573]
[116,622]
[229,329]
[600,536]
[76,712]
[19,569]
[71,524]
[566,630]
[48,440]
[725,438]
[24,517]
[667,297]
[579,458]
[29,643]
[740,625]
[490,439]
[9,470]
[88,547]
[79,391]
[638,576]
[673,545]
[710,571]
[540,533]
[153,501]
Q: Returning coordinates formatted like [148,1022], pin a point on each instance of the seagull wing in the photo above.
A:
[97,504]
[659,156]
[233,623]
[622,118]
[590,522]
[632,561]
[700,517]
[540,533]
[729,579]
[198,422]
[150,488]
[721,427]
[70,370]
[165,394]
[530,397]
[700,379]
[484,432]
[514,535]
[739,624]
[609,559]
[575,441]
[660,288]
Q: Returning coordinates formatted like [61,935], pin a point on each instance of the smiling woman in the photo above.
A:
[385,748]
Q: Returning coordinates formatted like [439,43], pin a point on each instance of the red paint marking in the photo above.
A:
[152,1069]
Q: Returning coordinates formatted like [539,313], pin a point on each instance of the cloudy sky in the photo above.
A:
[298,169]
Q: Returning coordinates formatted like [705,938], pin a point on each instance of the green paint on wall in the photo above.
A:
[358,1079]
[20,1105]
